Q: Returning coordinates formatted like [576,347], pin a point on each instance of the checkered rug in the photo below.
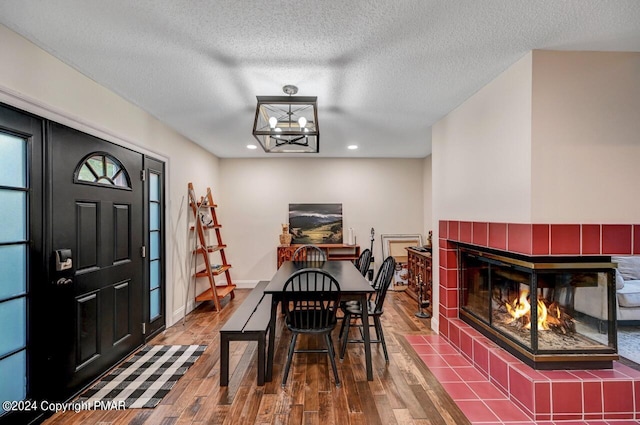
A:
[143,380]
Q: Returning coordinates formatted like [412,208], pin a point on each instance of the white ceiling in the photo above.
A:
[384,70]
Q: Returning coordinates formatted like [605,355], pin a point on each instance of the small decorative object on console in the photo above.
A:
[285,237]
[401,274]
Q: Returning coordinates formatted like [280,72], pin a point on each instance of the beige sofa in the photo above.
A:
[628,288]
[592,300]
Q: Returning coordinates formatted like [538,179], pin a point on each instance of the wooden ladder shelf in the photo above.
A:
[204,220]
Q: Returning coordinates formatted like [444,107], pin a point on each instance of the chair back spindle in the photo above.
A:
[364,261]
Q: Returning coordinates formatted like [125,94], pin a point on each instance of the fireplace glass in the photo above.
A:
[548,311]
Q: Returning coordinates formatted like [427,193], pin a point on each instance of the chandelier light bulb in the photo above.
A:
[273,121]
[302,121]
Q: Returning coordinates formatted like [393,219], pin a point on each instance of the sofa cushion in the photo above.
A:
[629,296]
[629,267]
[619,280]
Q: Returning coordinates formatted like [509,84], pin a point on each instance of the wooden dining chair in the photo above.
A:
[310,300]
[353,312]
[309,253]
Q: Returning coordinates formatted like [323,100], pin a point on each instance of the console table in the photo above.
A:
[419,264]
[332,251]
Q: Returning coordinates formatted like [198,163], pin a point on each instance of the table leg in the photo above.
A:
[272,339]
[367,338]
[224,360]
[261,359]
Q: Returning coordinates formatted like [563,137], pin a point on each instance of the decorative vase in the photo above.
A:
[285,237]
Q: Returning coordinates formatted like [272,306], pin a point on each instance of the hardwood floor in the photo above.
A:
[402,392]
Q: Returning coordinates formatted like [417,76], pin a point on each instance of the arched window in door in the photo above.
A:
[100,168]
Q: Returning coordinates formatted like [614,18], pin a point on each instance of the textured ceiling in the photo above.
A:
[384,70]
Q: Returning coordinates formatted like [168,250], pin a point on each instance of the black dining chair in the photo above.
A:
[362,264]
[364,261]
[353,312]
[310,300]
[309,253]
[354,303]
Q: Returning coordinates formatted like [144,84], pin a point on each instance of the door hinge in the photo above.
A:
[143,251]
[143,175]
[144,328]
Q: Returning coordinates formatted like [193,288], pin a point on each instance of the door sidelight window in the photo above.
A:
[13,267]
[155,237]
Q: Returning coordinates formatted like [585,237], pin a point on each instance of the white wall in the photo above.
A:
[482,152]
[33,80]
[386,194]
[586,137]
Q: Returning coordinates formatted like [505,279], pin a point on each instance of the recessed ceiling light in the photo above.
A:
[252,147]
[352,147]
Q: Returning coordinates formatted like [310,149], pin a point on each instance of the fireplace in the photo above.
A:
[532,306]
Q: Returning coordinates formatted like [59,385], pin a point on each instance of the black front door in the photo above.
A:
[95,312]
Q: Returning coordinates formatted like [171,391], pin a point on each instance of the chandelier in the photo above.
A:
[287,124]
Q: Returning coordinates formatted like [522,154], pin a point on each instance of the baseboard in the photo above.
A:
[178,314]
[242,284]
[434,324]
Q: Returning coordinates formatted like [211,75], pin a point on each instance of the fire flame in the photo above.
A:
[542,317]
[520,307]
[551,315]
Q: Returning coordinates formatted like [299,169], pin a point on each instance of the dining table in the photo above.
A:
[353,286]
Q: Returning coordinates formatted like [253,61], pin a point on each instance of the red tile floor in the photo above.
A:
[481,401]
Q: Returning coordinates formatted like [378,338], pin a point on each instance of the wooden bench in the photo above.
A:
[249,323]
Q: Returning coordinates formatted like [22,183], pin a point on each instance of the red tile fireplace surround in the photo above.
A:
[576,395]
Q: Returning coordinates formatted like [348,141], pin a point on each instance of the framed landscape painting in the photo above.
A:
[315,223]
